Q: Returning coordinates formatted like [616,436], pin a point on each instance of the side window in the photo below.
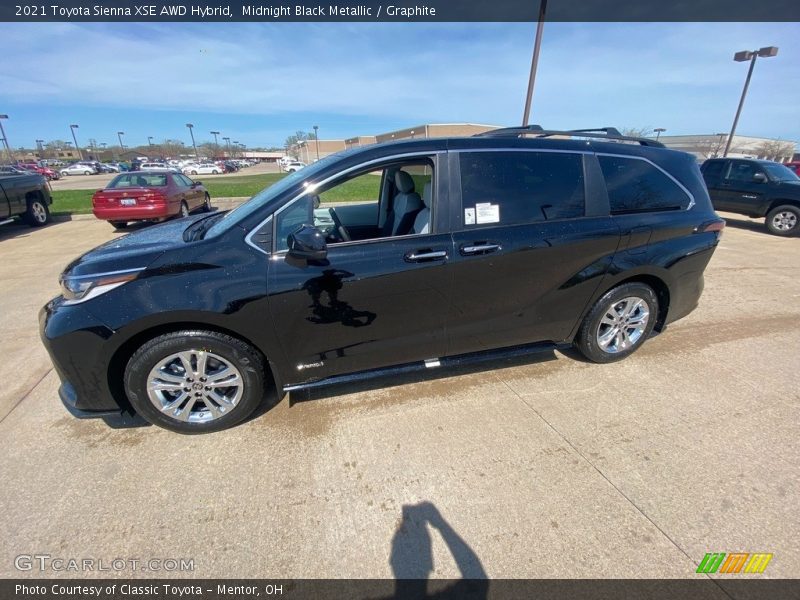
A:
[521,187]
[637,186]
[742,171]
[713,169]
[289,220]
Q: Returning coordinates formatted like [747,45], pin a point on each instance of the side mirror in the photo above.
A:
[759,178]
[308,243]
[196,183]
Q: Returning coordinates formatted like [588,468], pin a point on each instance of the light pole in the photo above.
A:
[227,141]
[216,144]
[5,141]
[537,44]
[745,55]
[316,138]
[75,139]
[40,148]
[235,145]
[659,131]
[103,146]
[190,126]
[121,145]
[150,141]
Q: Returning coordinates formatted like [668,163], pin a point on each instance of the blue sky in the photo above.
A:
[260,82]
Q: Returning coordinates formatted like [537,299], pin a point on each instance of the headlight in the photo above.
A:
[80,288]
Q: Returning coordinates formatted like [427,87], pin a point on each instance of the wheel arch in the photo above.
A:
[782,202]
[121,356]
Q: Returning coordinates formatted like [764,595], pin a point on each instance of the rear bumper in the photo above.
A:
[132,213]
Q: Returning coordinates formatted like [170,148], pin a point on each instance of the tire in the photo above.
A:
[162,362]
[119,224]
[37,214]
[215,172]
[194,172]
[784,220]
[207,204]
[87,173]
[596,339]
[184,212]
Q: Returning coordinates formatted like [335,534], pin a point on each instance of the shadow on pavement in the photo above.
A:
[411,557]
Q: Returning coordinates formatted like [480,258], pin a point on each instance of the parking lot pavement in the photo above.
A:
[544,466]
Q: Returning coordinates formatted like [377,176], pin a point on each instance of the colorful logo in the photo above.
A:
[736,562]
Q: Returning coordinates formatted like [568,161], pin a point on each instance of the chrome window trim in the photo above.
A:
[313,186]
[249,237]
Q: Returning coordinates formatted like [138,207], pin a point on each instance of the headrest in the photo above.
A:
[426,194]
[404,182]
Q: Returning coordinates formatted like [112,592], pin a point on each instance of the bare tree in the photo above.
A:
[713,146]
[641,132]
[775,150]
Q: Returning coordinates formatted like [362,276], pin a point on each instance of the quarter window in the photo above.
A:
[511,188]
[638,186]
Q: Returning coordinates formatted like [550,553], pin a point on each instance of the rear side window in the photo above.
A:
[511,188]
[638,186]
[713,169]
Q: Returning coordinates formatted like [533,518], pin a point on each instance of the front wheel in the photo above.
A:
[37,214]
[784,220]
[207,204]
[194,172]
[618,323]
[195,381]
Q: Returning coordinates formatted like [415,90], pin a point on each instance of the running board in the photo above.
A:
[6,222]
[452,361]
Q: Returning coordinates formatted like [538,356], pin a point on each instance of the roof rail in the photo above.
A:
[602,133]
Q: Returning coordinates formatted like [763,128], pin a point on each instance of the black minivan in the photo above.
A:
[410,254]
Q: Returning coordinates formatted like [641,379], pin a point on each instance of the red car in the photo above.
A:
[50,174]
[148,196]
[794,166]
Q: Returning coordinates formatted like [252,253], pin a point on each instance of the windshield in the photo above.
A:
[778,172]
[138,180]
[268,194]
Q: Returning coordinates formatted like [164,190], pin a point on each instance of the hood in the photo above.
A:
[133,251]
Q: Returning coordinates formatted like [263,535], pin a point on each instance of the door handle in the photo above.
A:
[424,255]
[479,248]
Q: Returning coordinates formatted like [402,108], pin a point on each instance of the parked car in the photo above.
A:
[294,166]
[201,169]
[158,167]
[12,170]
[757,189]
[108,168]
[48,173]
[230,167]
[794,166]
[77,169]
[149,196]
[471,248]
[25,195]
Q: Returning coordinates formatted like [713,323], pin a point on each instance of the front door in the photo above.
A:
[372,302]
[740,192]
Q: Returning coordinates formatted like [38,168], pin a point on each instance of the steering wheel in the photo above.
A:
[341,230]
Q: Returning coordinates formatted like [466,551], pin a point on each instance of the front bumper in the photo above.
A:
[117,419]
[78,345]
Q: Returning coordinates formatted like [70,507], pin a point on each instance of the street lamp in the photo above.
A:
[216,144]
[227,141]
[659,131]
[103,146]
[235,144]
[121,145]
[40,148]
[190,126]
[150,140]
[316,138]
[537,44]
[75,139]
[743,56]
[3,133]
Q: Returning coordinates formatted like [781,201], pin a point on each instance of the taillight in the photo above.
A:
[716,225]
[153,198]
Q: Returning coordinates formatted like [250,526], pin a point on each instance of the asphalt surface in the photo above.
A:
[539,467]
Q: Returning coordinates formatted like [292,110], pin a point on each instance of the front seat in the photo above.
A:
[405,206]
[422,223]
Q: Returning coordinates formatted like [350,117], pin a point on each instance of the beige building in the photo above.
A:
[359,140]
[308,151]
[712,145]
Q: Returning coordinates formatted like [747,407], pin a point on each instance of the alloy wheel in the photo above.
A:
[195,386]
[39,212]
[784,220]
[623,324]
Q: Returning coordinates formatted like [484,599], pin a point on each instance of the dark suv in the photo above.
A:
[756,188]
[386,258]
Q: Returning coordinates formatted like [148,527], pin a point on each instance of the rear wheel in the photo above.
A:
[194,172]
[618,323]
[195,381]
[784,220]
[207,204]
[37,214]
[184,210]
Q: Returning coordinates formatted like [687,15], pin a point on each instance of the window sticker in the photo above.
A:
[469,216]
[486,212]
